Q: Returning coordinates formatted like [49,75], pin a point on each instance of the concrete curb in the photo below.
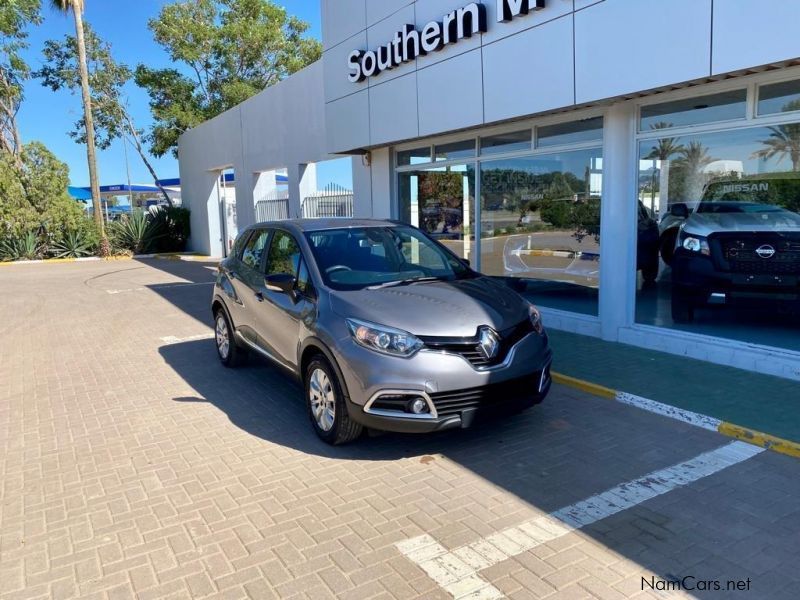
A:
[745,434]
[187,257]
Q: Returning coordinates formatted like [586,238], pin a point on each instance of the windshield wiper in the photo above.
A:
[402,282]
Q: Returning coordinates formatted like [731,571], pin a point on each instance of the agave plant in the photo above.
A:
[25,247]
[73,244]
[136,233]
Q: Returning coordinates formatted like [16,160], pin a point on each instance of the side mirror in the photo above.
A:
[465,261]
[679,210]
[280,282]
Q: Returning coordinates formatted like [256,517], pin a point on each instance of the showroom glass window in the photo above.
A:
[441,201]
[719,225]
[536,221]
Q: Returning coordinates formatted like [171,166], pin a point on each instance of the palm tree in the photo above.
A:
[692,163]
[77,7]
[663,151]
[783,141]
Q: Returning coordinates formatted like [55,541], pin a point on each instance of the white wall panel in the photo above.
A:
[435,10]
[347,122]
[337,84]
[624,46]
[393,110]
[341,19]
[748,34]
[529,72]
[454,82]
[380,9]
[498,31]
[382,33]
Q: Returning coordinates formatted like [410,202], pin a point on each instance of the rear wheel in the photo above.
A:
[230,353]
[327,405]
[650,271]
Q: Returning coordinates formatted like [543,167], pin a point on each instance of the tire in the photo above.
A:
[667,245]
[230,353]
[682,306]
[327,404]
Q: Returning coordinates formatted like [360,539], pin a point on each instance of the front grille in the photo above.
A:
[739,253]
[469,349]
[450,403]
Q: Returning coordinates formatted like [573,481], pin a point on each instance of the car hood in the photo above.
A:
[442,308]
[707,223]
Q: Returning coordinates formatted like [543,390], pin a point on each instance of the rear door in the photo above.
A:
[246,278]
[280,316]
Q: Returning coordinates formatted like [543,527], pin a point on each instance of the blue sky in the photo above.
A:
[48,116]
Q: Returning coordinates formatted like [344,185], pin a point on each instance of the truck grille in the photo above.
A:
[471,351]
[740,253]
[450,403]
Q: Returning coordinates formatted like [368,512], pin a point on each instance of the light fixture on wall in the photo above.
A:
[366,159]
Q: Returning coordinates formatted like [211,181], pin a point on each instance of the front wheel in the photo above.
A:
[230,354]
[327,407]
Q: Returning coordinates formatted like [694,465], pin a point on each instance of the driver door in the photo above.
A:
[280,316]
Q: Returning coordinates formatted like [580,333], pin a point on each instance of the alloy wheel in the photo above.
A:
[323,400]
[222,337]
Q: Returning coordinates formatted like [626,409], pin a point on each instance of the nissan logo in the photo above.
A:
[766,251]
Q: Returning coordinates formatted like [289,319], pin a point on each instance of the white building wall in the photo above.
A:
[572,52]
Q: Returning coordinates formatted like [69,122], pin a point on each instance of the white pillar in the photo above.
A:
[245,208]
[618,222]
[302,181]
[362,188]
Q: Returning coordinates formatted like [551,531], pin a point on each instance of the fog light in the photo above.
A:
[419,406]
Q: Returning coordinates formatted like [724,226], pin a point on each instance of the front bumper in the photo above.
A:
[697,277]
[458,394]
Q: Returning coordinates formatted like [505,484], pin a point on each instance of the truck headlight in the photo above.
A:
[536,319]
[383,339]
[695,243]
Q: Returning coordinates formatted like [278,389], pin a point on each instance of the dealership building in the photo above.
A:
[631,166]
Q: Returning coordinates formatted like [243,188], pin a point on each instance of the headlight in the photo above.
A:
[694,243]
[380,338]
[536,319]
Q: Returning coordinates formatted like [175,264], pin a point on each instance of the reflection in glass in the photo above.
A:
[728,210]
[724,106]
[540,224]
[441,202]
[574,132]
[455,150]
[779,97]
[507,142]
[414,157]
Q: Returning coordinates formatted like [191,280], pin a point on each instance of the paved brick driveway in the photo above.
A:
[133,465]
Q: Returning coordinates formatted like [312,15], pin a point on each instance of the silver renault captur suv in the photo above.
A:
[386,328]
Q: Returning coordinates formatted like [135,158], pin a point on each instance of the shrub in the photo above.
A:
[27,246]
[135,233]
[172,222]
[73,244]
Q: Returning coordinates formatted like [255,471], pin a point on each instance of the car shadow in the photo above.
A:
[193,294]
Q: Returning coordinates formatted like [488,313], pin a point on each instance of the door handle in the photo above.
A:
[259,296]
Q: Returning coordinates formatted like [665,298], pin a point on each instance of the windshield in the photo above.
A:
[756,196]
[360,257]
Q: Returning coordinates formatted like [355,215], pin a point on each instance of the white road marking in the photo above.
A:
[687,416]
[171,339]
[457,571]
[159,286]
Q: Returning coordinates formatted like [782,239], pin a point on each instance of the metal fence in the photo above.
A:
[274,207]
[333,201]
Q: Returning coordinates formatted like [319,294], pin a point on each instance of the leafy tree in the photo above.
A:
[107,79]
[784,140]
[15,17]
[229,50]
[34,197]
[76,7]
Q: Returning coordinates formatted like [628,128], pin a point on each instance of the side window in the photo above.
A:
[284,255]
[254,249]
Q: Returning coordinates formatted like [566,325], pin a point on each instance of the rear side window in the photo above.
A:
[254,249]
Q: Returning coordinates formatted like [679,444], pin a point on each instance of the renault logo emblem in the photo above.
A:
[489,343]
[766,251]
